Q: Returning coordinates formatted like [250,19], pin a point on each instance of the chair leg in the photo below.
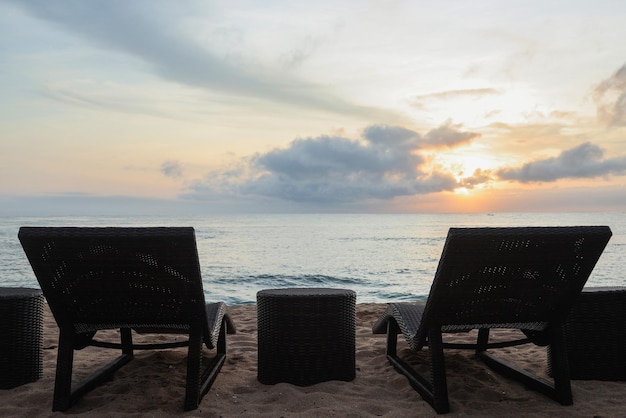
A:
[194,360]
[560,367]
[559,390]
[212,370]
[198,385]
[127,341]
[483,340]
[435,393]
[438,370]
[63,380]
[65,395]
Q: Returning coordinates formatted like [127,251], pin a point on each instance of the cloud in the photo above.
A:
[117,97]
[453,94]
[387,162]
[422,101]
[148,31]
[172,169]
[302,52]
[610,98]
[479,176]
[584,161]
[447,135]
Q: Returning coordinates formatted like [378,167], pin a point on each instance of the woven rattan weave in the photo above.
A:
[523,278]
[596,335]
[147,279]
[306,336]
[21,324]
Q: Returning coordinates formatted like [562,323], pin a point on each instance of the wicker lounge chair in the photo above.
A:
[519,278]
[147,279]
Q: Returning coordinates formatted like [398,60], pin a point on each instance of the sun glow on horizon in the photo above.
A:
[467,162]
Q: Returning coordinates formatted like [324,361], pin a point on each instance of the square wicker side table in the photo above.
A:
[21,339]
[595,332]
[306,335]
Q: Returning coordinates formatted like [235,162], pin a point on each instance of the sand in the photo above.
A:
[152,385]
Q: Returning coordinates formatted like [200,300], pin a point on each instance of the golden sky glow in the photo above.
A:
[329,106]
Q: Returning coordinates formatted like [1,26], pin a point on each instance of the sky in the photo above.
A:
[114,107]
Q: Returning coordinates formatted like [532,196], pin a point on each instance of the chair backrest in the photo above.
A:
[98,278]
[518,277]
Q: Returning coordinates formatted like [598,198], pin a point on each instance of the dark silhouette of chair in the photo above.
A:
[147,279]
[519,278]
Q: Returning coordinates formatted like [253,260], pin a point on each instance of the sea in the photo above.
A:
[382,257]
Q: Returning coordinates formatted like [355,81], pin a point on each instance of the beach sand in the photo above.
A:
[152,384]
